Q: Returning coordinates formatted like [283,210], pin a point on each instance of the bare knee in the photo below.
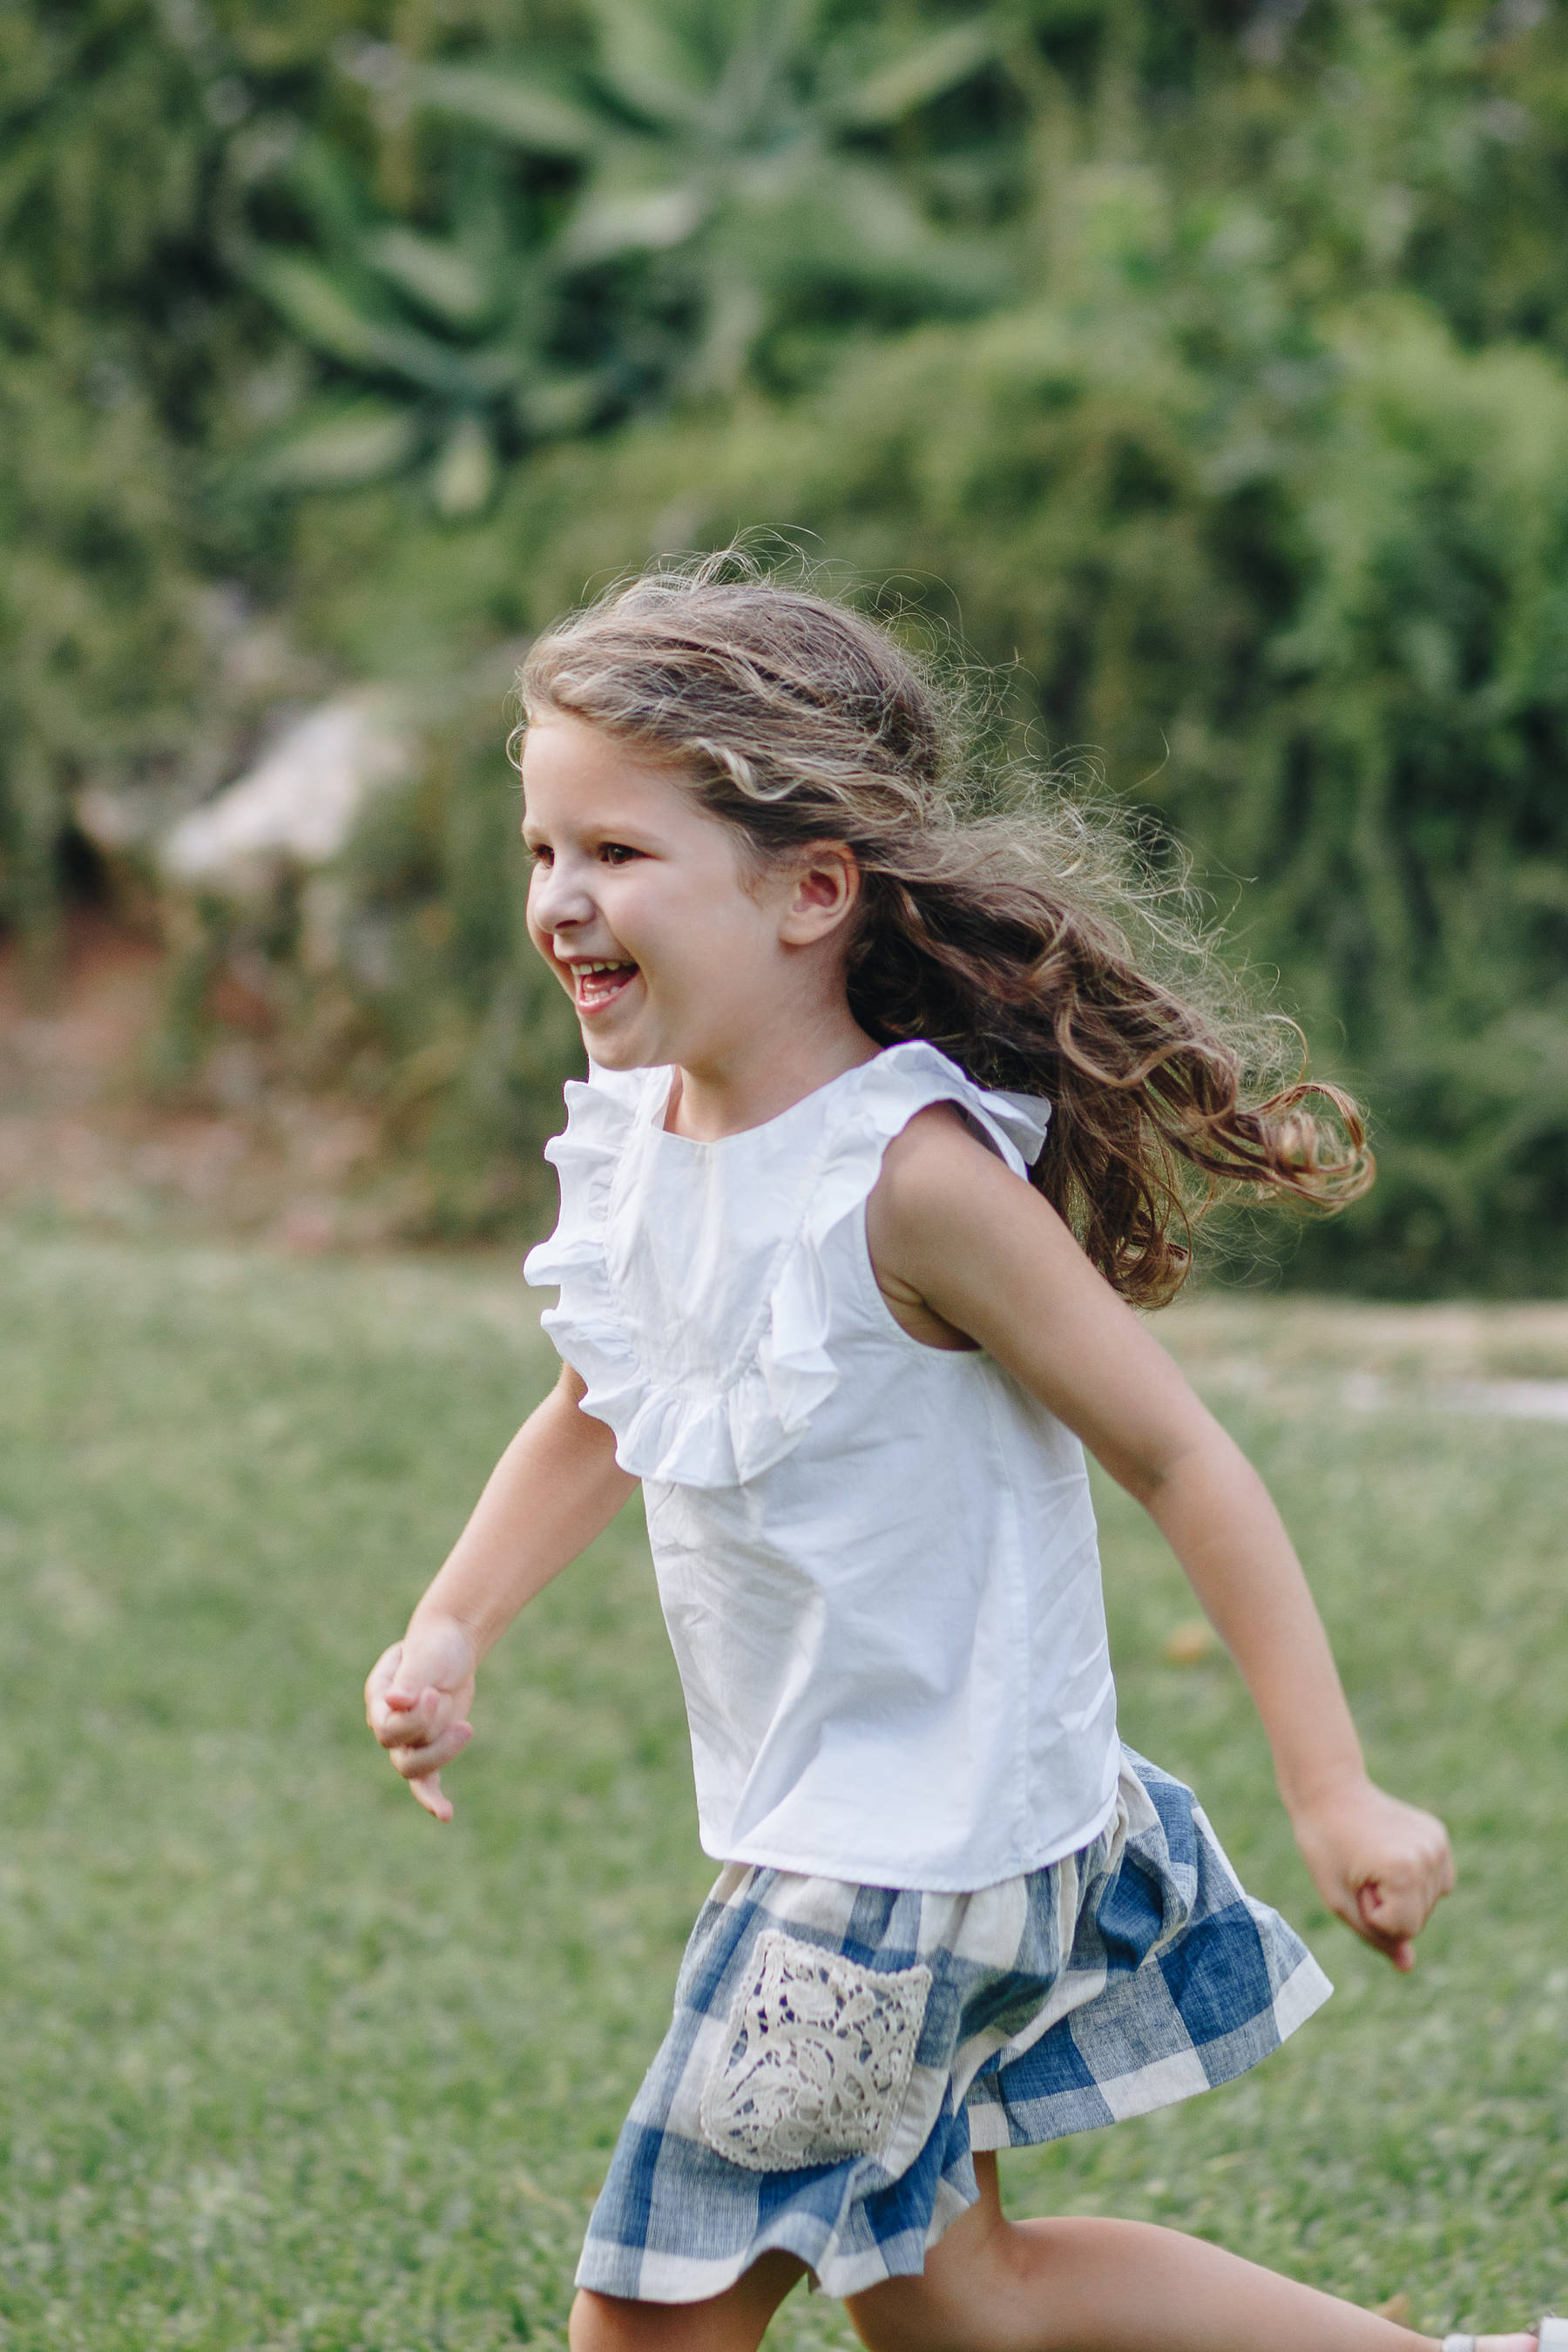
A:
[614,2323]
[895,2318]
[917,2315]
[731,2322]
[980,2292]
[607,2323]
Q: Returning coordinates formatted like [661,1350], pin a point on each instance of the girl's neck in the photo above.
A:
[768,1075]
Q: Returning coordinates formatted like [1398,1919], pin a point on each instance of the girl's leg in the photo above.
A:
[1071,2285]
[731,2322]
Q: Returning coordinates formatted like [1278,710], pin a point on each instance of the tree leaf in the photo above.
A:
[526,113]
[463,478]
[316,307]
[438,275]
[554,404]
[645,62]
[338,447]
[613,221]
[851,224]
[918,75]
[323,180]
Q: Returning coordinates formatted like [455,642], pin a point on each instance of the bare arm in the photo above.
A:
[556,1487]
[951,1231]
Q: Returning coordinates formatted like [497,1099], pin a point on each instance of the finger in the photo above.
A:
[1394,1911]
[1347,1909]
[414,1710]
[410,1729]
[427,1792]
[410,1721]
[1398,1949]
[379,1679]
[411,1692]
[429,1757]
[417,1763]
[1392,1938]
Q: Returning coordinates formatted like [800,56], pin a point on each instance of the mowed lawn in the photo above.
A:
[287,2066]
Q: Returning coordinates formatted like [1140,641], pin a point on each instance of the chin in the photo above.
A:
[613,1053]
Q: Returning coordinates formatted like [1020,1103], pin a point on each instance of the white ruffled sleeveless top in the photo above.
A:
[877,1558]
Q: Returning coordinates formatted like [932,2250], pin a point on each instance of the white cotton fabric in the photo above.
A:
[877,1559]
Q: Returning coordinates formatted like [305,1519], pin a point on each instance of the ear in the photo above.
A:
[823,891]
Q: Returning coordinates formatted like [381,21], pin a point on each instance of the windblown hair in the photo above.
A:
[1030,941]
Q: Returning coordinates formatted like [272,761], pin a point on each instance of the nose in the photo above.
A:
[559,900]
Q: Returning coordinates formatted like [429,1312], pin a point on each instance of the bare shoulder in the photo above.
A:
[947,1222]
[935,1169]
[927,1171]
[966,1254]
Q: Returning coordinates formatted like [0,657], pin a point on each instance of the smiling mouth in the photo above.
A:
[594,985]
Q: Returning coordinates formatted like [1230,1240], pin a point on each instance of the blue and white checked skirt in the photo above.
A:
[838,2052]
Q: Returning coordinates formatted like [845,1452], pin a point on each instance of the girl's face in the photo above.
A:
[671,948]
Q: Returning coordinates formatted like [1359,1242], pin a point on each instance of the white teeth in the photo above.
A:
[601,967]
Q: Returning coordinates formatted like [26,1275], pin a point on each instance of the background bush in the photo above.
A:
[1203,364]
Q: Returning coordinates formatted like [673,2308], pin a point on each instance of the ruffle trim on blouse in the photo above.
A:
[675,1432]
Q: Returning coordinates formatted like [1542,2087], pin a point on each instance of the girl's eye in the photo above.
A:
[615,853]
[541,854]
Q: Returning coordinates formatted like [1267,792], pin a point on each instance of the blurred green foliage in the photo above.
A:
[648,216]
[1206,364]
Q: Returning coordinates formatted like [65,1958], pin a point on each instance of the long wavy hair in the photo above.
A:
[1004,917]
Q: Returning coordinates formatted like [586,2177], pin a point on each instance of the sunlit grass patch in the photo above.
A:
[284,2065]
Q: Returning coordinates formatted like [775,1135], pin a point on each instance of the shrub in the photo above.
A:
[1317,625]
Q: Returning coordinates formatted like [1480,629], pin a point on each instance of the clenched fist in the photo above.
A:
[416,1701]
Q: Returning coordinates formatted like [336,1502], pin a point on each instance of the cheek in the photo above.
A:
[647,905]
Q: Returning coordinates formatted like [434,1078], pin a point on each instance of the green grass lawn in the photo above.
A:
[287,2066]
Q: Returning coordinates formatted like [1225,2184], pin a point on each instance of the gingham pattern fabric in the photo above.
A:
[838,2052]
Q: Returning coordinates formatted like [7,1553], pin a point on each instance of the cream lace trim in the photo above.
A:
[817,2061]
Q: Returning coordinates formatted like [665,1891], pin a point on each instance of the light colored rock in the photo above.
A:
[298,805]
[110,820]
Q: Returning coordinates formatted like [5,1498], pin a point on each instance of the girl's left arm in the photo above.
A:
[949,1226]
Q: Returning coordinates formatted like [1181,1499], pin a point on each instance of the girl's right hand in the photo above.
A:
[416,1701]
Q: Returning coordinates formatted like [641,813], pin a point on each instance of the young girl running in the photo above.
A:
[885,1126]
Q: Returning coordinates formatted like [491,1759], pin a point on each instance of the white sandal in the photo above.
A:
[1552,2335]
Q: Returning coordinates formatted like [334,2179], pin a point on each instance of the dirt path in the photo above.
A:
[88,1136]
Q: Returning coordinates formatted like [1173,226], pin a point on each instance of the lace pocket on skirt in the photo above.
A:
[817,2059]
